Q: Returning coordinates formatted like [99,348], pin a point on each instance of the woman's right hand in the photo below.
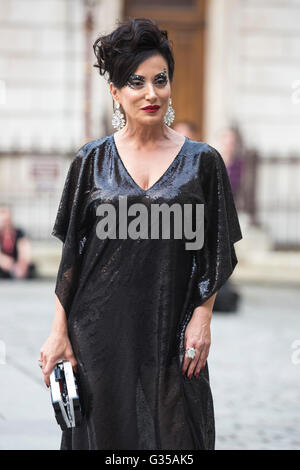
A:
[56,348]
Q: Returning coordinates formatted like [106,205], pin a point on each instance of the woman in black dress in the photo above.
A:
[133,311]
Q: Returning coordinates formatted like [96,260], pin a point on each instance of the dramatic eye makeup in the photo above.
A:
[136,81]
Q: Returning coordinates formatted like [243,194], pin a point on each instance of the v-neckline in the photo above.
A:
[160,178]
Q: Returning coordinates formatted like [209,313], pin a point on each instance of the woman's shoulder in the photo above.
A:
[209,158]
[203,150]
[89,147]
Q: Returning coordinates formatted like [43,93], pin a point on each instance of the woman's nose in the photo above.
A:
[150,91]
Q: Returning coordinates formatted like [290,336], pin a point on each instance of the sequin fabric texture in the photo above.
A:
[128,301]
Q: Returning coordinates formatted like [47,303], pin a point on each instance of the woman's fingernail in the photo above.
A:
[190,376]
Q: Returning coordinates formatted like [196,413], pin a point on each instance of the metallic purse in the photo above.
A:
[64,396]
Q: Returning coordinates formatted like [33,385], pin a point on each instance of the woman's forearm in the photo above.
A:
[58,346]
[59,326]
[205,310]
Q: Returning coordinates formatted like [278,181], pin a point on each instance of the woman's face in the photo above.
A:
[148,86]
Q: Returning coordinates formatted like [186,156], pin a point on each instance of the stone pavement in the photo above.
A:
[254,382]
[26,417]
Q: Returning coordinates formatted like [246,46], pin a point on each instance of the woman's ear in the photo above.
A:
[114,92]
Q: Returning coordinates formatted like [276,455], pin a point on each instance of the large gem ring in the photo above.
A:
[191,352]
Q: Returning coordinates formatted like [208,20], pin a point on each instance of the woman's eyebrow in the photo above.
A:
[164,72]
[135,75]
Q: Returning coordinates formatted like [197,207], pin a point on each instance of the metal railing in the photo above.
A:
[270,195]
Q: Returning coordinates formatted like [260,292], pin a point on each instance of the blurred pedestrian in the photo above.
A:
[231,147]
[186,128]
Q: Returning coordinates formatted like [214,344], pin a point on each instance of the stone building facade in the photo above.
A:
[52,100]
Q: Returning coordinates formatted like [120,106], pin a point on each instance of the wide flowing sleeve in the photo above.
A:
[71,227]
[216,260]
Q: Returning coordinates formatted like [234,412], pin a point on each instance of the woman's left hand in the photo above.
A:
[197,335]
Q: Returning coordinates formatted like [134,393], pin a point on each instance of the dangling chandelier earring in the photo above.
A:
[170,114]
[118,120]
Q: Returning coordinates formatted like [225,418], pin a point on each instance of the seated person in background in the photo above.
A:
[15,249]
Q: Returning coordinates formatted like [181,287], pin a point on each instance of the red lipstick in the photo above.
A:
[151,109]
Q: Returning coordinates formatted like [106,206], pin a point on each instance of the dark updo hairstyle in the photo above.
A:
[120,52]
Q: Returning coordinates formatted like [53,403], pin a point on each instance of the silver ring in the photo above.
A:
[191,352]
[40,363]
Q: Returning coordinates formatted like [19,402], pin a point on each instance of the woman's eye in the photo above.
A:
[137,83]
[161,81]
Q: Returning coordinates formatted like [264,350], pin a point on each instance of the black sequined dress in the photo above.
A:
[128,301]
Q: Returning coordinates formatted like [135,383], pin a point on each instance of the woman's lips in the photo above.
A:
[151,109]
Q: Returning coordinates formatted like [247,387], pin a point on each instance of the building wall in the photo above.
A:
[253,80]
[45,63]
[43,66]
[253,60]
[41,46]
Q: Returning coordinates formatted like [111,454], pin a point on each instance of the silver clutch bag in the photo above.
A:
[64,396]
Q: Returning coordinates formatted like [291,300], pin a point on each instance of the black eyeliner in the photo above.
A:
[133,77]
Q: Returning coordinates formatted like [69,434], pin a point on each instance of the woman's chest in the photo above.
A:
[171,208]
[175,181]
[145,171]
